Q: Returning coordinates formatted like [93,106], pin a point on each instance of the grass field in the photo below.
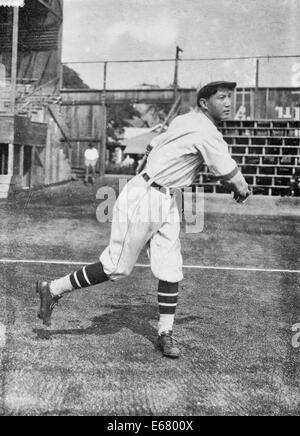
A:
[234,326]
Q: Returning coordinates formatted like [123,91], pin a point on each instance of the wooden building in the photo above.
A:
[39,43]
[31,153]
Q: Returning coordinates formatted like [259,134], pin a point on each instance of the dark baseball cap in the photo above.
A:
[211,88]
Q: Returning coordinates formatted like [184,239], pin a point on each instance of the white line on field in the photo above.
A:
[138,265]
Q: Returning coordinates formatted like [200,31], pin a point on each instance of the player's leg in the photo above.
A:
[139,215]
[86,177]
[93,172]
[166,263]
[167,301]
[51,293]
[107,268]
[130,232]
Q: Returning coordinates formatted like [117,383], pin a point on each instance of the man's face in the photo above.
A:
[219,105]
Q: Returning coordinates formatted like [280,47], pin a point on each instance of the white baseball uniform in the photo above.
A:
[144,215]
[91,157]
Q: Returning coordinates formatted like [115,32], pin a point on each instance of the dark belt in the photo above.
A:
[160,188]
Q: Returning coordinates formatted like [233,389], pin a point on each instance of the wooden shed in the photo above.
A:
[22,152]
[31,152]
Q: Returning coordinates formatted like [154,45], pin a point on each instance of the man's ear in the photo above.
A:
[203,103]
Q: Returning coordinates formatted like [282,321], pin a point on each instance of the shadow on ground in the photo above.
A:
[134,318]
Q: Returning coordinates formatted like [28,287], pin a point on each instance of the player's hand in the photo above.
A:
[240,188]
[242,197]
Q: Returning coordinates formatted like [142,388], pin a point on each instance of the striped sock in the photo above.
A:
[90,275]
[167,301]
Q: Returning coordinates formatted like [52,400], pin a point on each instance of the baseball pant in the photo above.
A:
[144,216]
[90,166]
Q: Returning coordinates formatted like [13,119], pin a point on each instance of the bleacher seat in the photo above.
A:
[267,151]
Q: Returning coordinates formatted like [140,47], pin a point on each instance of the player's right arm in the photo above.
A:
[240,187]
[214,151]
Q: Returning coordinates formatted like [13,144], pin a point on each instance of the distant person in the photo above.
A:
[127,162]
[91,157]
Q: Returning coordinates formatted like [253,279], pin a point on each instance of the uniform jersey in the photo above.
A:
[174,161]
[91,154]
[178,154]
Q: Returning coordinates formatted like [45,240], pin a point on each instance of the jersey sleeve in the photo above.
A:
[158,139]
[175,123]
[215,153]
[155,141]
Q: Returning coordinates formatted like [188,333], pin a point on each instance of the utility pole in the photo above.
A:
[102,149]
[14,61]
[255,104]
[257,75]
[175,83]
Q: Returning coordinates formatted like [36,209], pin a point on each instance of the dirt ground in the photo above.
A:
[234,326]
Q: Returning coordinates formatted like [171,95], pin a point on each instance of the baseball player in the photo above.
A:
[146,211]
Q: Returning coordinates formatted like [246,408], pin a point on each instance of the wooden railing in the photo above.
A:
[29,98]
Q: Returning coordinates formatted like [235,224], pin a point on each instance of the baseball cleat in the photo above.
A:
[48,302]
[167,345]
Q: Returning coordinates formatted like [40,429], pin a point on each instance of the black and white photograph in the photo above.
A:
[149,210]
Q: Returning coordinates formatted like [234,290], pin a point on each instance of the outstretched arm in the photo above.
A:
[240,187]
[215,152]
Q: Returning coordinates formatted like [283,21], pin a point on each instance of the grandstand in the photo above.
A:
[268,152]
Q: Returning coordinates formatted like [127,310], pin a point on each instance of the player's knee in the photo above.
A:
[118,272]
[171,276]
[118,275]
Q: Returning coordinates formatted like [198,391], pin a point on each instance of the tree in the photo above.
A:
[124,114]
[118,117]
[72,80]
